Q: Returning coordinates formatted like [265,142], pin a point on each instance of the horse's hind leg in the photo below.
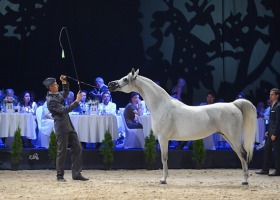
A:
[164,156]
[242,155]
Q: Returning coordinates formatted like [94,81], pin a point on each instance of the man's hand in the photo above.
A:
[266,134]
[63,79]
[273,137]
[79,96]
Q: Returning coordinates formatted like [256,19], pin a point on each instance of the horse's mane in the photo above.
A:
[155,87]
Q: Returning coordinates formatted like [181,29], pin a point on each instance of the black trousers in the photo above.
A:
[76,153]
[269,145]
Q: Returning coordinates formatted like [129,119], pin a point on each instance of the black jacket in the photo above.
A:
[274,120]
[55,103]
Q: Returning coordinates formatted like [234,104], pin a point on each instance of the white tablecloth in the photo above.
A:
[10,121]
[260,130]
[121,127]
[145,120]
[91,128]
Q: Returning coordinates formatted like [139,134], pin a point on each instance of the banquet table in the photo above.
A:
[10,121]
[91,128]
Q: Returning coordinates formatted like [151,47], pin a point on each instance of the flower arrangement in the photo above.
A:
[93,102]
[9,100]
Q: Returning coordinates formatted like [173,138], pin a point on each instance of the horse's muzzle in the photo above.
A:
[113,85]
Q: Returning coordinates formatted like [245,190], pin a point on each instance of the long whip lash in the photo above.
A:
[71,52]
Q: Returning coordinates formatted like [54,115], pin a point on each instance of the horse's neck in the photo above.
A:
[153,95]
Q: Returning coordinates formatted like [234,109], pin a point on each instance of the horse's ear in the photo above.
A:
[137,71]
[133,71]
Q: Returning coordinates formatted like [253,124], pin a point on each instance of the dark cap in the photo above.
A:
[48,81]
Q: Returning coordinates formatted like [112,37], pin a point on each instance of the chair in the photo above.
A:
[134,138]
[43,139]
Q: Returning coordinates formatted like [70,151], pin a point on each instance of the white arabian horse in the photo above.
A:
[173,120]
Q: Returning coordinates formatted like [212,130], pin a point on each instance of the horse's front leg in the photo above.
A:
[164,156]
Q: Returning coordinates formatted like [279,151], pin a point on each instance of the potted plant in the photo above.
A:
[150,152]
[199,153]
[53,148]
[106,150]
[16,150]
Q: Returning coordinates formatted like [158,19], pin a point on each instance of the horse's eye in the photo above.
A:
[125,80]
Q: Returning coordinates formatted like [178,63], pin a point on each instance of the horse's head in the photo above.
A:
[125,83]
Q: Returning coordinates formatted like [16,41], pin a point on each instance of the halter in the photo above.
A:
[126,82]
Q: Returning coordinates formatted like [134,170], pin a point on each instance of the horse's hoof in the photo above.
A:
[162,182]
[245,183]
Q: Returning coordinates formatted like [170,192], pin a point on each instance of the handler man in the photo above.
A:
[273,135]
[65,132]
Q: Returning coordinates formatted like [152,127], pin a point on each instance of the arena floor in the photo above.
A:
[138,184]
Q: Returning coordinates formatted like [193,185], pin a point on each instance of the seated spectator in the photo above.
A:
[209,141]
[260,109]
[1,95]
[47,122]
[9,95]
[210,98]
[176,93]
[83,105]
[99,89]
[266,118]
[69,100]
[27,105]
[240,95]
[177,90]
[1,99]
[132,110]
[107,107]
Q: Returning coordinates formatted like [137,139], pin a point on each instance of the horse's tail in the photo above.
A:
[249,114]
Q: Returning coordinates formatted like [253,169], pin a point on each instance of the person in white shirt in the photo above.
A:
[27,105]
[47,122]
[107,107]
[83,105]
[267,113]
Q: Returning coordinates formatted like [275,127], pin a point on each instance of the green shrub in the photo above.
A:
[199,152]
[53,147]
[16,147]
[150,149]
[106,149]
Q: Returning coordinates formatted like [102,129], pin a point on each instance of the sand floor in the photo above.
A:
[138,184]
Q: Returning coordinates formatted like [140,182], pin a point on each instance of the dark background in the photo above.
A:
[226,46]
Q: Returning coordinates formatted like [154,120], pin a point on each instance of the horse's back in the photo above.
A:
[194,122]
